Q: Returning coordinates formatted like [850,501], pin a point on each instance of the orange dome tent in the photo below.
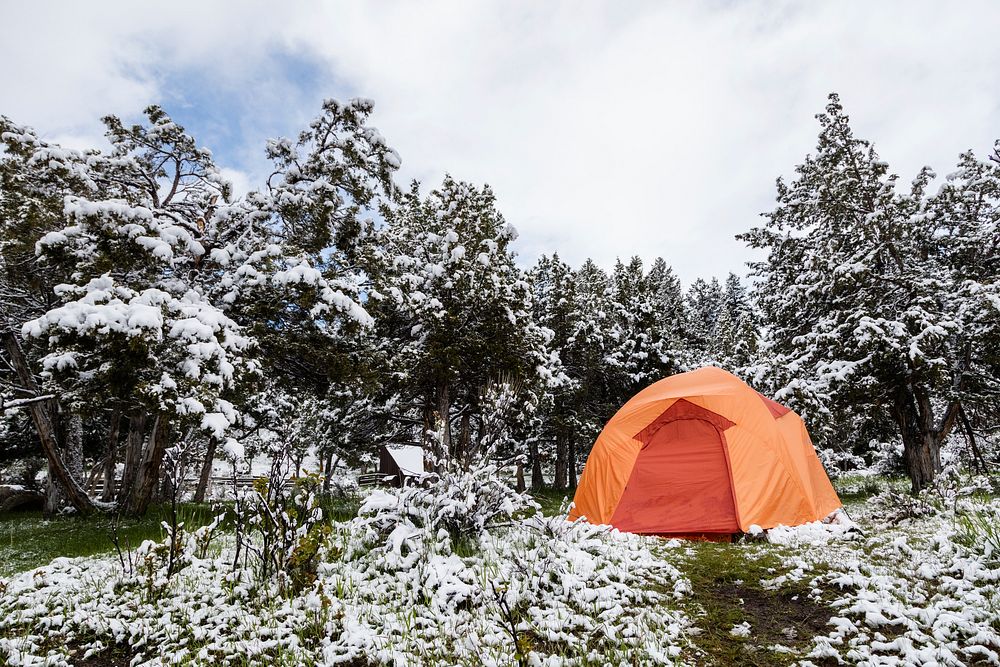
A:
[702,453]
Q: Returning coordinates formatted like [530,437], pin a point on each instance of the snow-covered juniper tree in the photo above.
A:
[155,290]
[736,330]
[962,222]
[318,209]
[642,348]
[134,329]
[454,314]
[704,306]
[33,178]
[305,309]
[878,297]
[573,410]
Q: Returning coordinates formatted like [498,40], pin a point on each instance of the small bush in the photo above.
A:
[462,503]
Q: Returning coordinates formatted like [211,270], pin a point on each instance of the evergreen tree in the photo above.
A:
[569,306]
[455,314]
[152,299]
[869,301]
[735,344]
[704,301]
[640,352]
[669,304]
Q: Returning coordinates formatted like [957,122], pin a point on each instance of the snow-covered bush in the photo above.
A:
[280,530]
[920,592]
[390,588]
[887,457]
[838,462]
[463,503]
[897,505]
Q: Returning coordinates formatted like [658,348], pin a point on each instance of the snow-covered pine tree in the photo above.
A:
[735,343]
[166,286]
[704,304]
[866,302]
[454,312]
[575,410]
[669,305]
[553,302]
[640,352]
[589,346]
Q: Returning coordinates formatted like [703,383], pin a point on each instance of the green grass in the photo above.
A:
[726,585]
[340,507]
[551,500]
[856,487]
[29,540]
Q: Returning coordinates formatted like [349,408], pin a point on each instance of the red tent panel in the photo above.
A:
[680,482]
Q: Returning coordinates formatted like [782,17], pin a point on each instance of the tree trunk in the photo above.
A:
[57,499]
[442,442]
[463,451]
[164,490]
[560,479]
[921,439]
[571,461]
[327,471]
[149,467]
[428,427]
[537,480]
[520,476]
[110,460]
[978,460]
[206,472]
[41,417]
[133,455]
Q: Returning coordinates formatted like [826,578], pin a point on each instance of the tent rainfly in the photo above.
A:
[703,454]
[401,462]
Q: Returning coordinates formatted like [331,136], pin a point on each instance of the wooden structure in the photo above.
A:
[400,464]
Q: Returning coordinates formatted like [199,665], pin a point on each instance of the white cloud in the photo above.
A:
[605,128]
[239,180]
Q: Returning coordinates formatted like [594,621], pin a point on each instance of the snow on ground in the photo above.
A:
[390,589]
[908,584]
[838,527]
[910,590]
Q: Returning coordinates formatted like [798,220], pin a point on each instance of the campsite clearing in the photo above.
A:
[906,589]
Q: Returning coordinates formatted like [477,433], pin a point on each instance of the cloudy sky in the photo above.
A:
[606,128]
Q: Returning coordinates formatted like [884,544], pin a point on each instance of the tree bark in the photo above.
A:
[327,471]
[560,479]
[108,493]
[979,463]
[463,450]
[571,461]
[206,472]
[133,455]
[73,457]
[41,417]
[442,442]
[922,439]
[149,467]
[537,480]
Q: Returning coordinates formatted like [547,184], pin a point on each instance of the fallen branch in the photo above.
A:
[24,402]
